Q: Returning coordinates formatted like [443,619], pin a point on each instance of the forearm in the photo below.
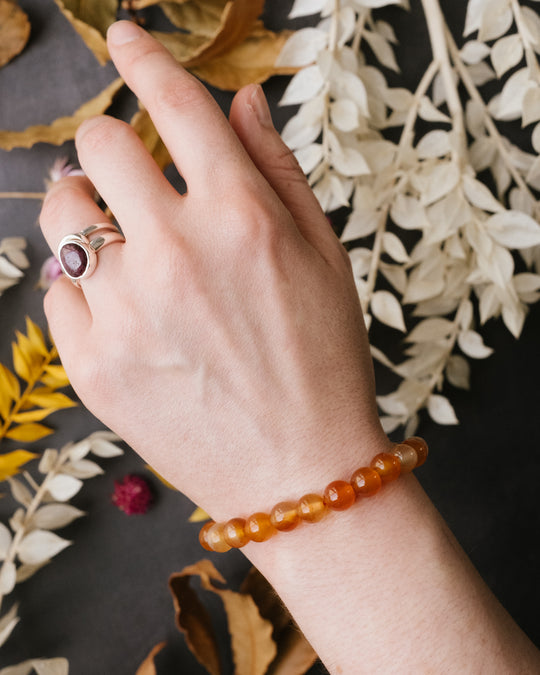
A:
[385,588]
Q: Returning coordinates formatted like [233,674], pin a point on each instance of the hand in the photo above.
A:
[224,339]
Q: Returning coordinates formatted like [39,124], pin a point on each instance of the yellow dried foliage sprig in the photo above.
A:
[23,407]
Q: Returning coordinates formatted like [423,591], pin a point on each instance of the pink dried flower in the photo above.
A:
[132,495]
[50,271]
[60,169]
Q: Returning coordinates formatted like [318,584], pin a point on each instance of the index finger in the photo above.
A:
[186,116]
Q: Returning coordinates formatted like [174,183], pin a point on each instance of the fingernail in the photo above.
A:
[122,32]
[260,106]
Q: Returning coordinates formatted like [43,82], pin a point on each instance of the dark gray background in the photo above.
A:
[103,603]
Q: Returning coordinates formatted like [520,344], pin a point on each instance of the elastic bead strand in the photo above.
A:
[338,495]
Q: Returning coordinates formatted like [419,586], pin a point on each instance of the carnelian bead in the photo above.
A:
[387,466]
[311,508]
[234,532]
[407,456]
[284,516]
[339,495]
[202,534]
[366,482]
[420,446]
[216,540]
[259,527]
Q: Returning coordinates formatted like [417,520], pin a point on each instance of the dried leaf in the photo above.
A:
[5,540]
[148,667]
[20,492]
[471,343]
[226,24]
[55,376]
[64,128]
[27,433]
[192,619]
[198,516]
[8,623]
[63,488]
[91,20]
[506,53]
[513,229]
[440,410]
[14,30]
[55,516]
[40,546]
[386,307]
[12,461]
[57,666]
[8,577]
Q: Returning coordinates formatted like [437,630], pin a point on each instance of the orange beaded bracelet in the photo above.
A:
[311,508]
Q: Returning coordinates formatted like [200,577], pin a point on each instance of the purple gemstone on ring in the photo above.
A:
[74,259]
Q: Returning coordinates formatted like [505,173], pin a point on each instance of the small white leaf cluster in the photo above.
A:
[12,261]
[461,271]
[29,542]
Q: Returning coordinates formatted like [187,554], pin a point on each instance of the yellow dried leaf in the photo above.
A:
[198,516]
[64,128]
[160,477]
[147,132]
[251,61]
[201,17]
[14,30]
[55,376]
[5,403]
[31,355]
[148,667]
[28,432]
[21,365]
[32,415]
[91,20]
[9,383]
[50,399]
[36,337]
[12,461]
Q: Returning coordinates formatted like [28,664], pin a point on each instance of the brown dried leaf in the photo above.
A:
[14,30]
[295,655]
[251,61]
[192,619]
[147,132]
[148,667]
[91,20]
[63,128]
[223,24]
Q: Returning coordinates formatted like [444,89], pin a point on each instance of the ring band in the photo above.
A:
[77,253]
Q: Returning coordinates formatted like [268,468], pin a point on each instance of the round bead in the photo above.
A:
[387,466]
[420,446]
[284,516]
[339,495]
[234,532]
[366,482]
[202,534]
[259,528]
[216,540]
[406,455]
[311,508]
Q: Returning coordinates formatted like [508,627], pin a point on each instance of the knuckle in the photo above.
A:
[185,96]
[54,204]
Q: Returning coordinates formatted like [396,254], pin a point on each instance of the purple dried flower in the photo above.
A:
[132,495]
[50,271]
[62,168]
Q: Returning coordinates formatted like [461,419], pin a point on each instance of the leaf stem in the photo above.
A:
[22,195]
[437,34]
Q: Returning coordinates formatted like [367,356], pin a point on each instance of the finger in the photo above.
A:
[69,319]
[68,208]
[188,119]
[251,119]
[124,173]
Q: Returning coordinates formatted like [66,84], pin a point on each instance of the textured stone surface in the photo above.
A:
[74,259]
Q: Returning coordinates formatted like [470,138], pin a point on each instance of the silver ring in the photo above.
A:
[77,253]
